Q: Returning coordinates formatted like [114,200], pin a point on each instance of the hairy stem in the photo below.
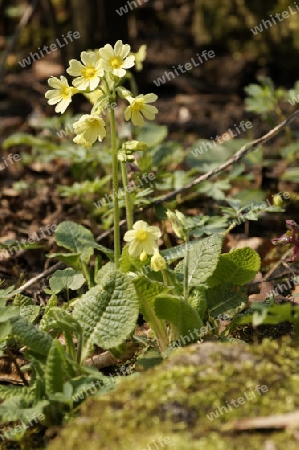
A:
[115,189]
[129,209]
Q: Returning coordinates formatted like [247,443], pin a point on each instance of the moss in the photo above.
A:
[172,401]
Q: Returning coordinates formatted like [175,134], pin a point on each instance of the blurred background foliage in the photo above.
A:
[222,24]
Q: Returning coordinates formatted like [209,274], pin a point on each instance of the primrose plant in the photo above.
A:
[180,291]
[138,279]
[106,290]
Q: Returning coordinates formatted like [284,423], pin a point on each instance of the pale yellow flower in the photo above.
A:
[94,96]
[139,106]
[116,60]
[143,256]
[142,238]
[87,74]
[158,262]
[178,222]
[89,128]
[134,146]
[140,57]
[61,94]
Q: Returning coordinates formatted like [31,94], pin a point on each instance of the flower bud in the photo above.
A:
[158,262]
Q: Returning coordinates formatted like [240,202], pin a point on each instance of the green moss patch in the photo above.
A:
[167,407]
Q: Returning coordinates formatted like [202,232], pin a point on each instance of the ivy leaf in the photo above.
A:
[66,279]
[238,267]
[107,312]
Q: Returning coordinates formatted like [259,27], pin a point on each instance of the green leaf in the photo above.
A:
[152,134]
[268,315]
[107,268]
[62,321]
[17,408]
[78,239]
[238,267]
[179,313]
[107,312]
[197,299]
[129,263]
[203,259]
[27,306]
[291,174]
[71,259]
[74,237]
[227,299]
[55,370]
[215,189]
[66,279]
[29,335]
[7,293]
[29,140]
[206,155]
[147,292]
[51,303]
[248,197]
[151,359]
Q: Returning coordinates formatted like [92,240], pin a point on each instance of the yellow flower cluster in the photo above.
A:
[110,64]
[143,241]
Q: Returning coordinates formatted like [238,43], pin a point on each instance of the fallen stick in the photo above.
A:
[236,157]
[282,421]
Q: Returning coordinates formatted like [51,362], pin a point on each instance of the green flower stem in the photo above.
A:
[115,189]
[165,279]
[186,264]
[129,209]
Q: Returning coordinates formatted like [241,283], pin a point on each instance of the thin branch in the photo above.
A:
[44,274]
[237,156]
[60,264]
[284,256]
[18,368]
[282,421]
[110,231]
